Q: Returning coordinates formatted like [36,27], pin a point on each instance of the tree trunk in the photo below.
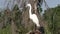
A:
[13,27]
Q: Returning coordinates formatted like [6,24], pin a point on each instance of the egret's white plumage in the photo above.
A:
[33,17]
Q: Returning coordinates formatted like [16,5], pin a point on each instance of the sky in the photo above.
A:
[51,3]
[3,3]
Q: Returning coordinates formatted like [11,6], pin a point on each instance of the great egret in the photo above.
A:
[33,17]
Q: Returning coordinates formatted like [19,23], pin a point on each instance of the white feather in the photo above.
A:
[33,17]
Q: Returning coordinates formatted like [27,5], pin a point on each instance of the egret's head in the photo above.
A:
[28,5]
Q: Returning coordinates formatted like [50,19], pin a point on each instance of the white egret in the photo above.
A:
[33,17]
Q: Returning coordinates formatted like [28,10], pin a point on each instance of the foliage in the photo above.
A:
[52,16]
[5,30]
[16,16]
[15,7]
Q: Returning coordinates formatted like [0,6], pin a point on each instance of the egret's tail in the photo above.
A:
[38,25]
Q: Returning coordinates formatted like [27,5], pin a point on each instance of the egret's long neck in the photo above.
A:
[30,13]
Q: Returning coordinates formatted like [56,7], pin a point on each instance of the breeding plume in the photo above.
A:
[33,17]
